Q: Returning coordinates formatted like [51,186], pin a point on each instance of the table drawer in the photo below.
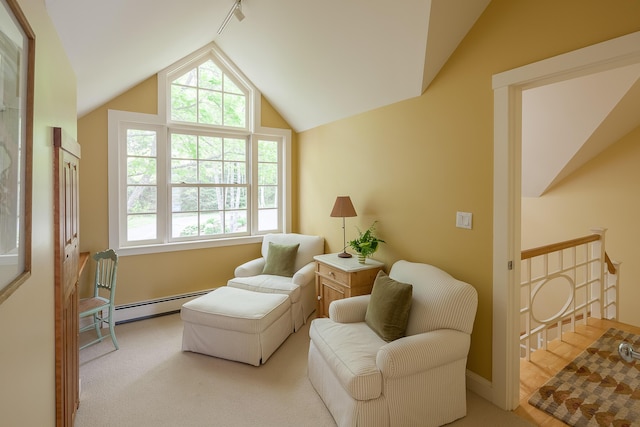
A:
[333,273]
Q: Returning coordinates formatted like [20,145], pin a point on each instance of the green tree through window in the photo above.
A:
[202,173]
[207,95]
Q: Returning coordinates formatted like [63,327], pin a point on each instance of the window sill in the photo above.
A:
[186,246]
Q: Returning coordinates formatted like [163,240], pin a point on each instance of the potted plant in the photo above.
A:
[366,244]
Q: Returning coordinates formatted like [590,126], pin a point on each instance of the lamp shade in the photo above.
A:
[343,207]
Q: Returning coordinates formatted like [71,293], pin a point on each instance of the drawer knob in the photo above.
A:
[319,297]
[332,274]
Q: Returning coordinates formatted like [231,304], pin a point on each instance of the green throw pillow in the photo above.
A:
[388,309]
[281,260]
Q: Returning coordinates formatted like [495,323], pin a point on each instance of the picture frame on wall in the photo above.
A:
[17,55]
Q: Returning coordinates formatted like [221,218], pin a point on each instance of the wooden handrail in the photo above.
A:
[610,266]
[554,247]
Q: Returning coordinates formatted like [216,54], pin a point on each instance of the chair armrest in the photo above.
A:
[349,310]
[305,275]
[250,268]
[421,352]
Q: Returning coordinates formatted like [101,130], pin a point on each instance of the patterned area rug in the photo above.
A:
[598,388]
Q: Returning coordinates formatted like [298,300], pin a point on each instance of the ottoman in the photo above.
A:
[236,324]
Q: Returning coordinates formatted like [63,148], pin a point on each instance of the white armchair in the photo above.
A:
[300,288]
[419,379]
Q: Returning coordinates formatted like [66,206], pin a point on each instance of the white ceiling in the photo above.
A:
[318,61]
[315,61]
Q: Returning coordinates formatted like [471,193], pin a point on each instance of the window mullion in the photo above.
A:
[123,185]
[164,165]
[253,183]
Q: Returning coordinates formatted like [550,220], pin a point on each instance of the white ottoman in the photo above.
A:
[236,324]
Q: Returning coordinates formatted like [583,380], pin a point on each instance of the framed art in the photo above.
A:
[17,55]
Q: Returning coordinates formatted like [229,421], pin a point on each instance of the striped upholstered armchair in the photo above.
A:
[417,379]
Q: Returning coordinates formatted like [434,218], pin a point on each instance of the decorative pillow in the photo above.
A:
[281,259]
[388,309]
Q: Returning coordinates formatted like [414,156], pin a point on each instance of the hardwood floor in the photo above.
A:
[545,364]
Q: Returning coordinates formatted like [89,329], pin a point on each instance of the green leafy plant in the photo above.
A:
[367,243]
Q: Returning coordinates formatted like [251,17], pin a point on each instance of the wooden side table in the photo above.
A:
[338,278]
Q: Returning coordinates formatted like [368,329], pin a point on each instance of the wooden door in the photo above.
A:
[66,176]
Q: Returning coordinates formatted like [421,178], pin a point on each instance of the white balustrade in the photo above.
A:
[563,283]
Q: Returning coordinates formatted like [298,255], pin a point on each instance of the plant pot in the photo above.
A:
[362,258]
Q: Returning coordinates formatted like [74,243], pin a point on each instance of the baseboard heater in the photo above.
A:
[154,307]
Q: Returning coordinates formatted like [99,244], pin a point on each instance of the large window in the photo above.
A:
[200,174]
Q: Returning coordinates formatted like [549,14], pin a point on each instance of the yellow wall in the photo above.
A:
[603,193]
[27,371]
[413,164]
[143,277]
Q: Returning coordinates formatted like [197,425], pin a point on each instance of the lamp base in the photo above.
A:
[344,255]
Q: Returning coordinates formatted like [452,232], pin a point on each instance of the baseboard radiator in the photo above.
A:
[154,307]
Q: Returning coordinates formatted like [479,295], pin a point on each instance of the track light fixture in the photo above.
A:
[236,10]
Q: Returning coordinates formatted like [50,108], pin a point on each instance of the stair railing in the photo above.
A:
[563,283]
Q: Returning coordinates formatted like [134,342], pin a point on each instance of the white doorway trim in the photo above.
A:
[508,87]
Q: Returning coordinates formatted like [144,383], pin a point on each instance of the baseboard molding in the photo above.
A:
[153,308]
[479,385]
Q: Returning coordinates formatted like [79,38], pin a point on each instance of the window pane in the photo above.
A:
[267,174]
[184,103]
[141,143]
[141,170]
[230,86]
[235,173]
[141,227]
[236,198]
[210,148]
[235,149]
[184,146]
[187,79]
[142,199]
[210,76]
[184,225]
[210,107]
[267,151]
[184,199]
[267,197]
[211,199]
[267,219]
[184,171]
[210,172]
[211,223]
[234,110]
[235,221]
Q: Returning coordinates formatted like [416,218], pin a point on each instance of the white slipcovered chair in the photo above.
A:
[300,288]
[419,379]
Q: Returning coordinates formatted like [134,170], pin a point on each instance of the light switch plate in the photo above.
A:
[464,220]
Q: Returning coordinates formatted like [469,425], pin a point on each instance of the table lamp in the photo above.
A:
[343,208]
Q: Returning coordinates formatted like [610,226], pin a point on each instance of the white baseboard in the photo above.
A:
[150,308]
[479,385]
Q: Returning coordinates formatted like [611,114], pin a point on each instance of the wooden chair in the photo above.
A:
[96,306]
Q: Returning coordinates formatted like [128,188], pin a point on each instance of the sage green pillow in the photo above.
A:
[281,260]
[388,310]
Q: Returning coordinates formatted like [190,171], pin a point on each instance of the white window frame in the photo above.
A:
[119,121]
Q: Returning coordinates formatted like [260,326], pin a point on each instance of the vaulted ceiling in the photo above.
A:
[315,61]
[318,61]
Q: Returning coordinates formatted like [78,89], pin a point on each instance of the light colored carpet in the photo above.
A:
[151,382]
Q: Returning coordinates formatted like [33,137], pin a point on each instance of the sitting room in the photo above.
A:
[201,128]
